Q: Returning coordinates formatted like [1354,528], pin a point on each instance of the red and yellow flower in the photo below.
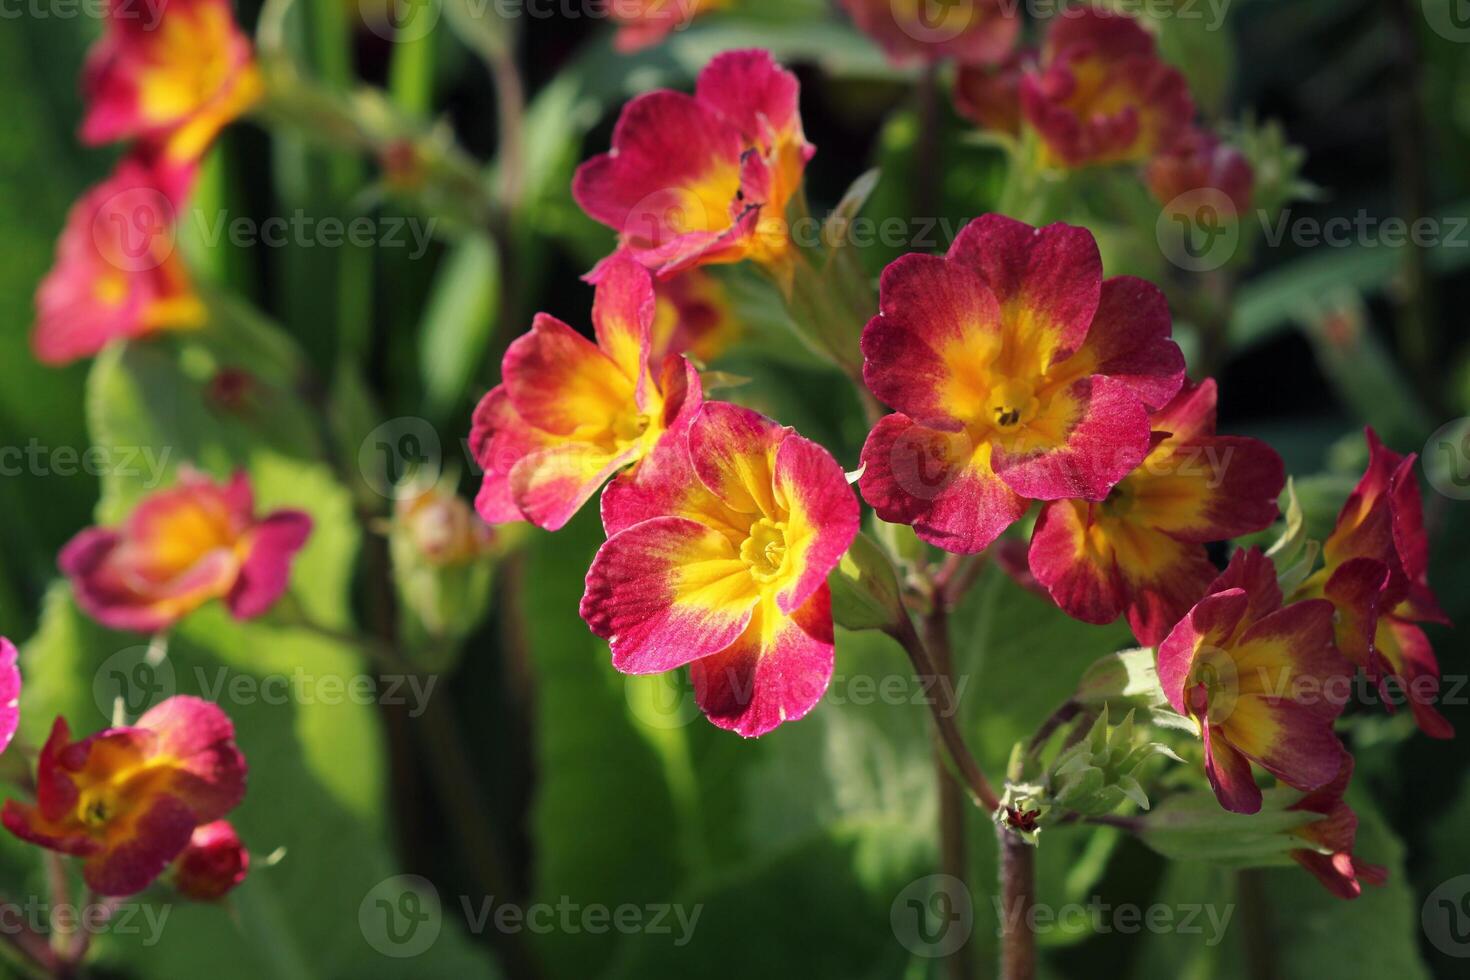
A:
[127,800]
[1375,572]
[1142,549]
[171,75]
[1330,857]
[1200,162]
[692,315]
[975,32]
[181,547]
[117,275]
[9,692]
[569,414]
[1017,373]
[1261,680]
[717,557]
[1102,94]
[700,179]
[646,22]
[213,863]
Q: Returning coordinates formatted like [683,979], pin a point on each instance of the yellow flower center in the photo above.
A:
[1012,403]
[629,427]
[764,549]
[97,805]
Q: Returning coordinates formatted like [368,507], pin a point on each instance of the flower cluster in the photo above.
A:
[169,88]
[129,800]
[722,525]
[1097,93]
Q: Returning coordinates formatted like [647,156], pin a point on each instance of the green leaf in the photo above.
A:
[458,323]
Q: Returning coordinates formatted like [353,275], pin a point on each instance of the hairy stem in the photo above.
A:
[971,776]
[953,849]
[1018,897]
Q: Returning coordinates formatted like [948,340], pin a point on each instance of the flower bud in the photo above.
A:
[214,862]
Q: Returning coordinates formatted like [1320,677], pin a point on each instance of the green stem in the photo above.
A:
[971,776]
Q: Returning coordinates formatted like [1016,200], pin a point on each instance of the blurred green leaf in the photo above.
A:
[458,322]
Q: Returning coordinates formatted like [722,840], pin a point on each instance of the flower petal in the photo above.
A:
[776,671]
[1130,340]
[1209,624]
[551,485]
[665,592]
[822,516]
[754,94]
[1289,740]
[927,351]
[561,383]
[1048,280]
[1229,773]
[1074,561]
[266,571]
[198,740]
[499,439]
[939,483]
[1404,646]
[622,316]
[733,450]
[1212,489]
